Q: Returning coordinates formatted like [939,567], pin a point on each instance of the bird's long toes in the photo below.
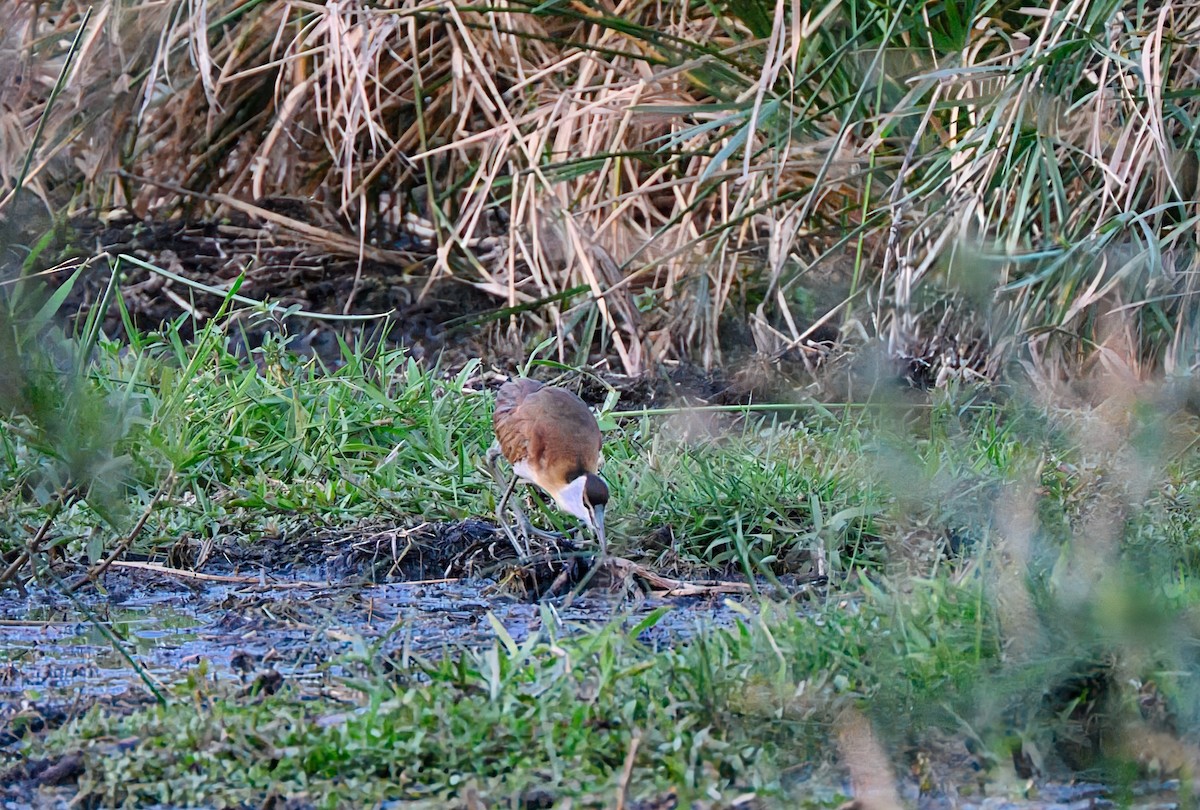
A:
[529,530]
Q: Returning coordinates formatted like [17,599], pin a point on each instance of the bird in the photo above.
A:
[552,440]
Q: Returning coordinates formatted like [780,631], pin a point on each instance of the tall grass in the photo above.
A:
[642,172]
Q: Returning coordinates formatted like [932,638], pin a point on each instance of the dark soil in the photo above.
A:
[448,322]
[285,273]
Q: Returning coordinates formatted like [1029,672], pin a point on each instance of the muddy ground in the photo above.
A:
[292,613]
[448,322]
[308,612]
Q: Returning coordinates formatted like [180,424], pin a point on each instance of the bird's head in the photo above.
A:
[585,497]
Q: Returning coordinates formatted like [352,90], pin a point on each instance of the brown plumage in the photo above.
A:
[548,429]
[552,440]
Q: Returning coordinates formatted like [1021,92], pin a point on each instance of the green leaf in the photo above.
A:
[653,618]
[52,304]
[95,547]
[502,634]
[757,16]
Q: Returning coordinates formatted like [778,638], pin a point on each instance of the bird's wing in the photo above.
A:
[508,419]
[573,437]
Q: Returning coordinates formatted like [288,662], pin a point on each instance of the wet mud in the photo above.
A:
[300,619]
[309,613]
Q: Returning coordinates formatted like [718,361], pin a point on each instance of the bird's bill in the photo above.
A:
[598,525]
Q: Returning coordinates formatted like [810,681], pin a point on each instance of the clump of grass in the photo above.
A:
[285,437]
[253,442]
[758,497]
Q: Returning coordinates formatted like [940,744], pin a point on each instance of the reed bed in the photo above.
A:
[967,186]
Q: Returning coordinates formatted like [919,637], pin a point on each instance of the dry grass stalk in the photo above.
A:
[863,756]
[682,157]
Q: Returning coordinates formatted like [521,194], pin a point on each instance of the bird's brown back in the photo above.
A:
[550,429]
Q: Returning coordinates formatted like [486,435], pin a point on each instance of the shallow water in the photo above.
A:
[172,628]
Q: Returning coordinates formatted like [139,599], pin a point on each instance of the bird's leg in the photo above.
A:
[527,527]
[601,561]
[493,463]
[532,530]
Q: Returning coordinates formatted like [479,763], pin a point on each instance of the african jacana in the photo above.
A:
[552,440]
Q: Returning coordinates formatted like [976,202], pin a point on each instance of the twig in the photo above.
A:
[271,306]
[102,627]
[627,771]
[234,579]
[678,587]
[183,573]
[767,407]
[31,547]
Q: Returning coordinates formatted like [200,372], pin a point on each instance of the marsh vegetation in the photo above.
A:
[887,311]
